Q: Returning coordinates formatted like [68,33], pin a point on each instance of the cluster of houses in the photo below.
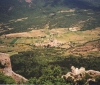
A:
[53,43]
[41,37]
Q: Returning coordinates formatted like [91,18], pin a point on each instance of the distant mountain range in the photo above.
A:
[84,4]
[41,12]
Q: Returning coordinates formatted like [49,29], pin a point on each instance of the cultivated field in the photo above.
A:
[60,37]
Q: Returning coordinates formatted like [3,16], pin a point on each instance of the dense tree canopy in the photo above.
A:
[46,66]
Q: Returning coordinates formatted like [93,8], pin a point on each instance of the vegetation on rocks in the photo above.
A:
[6,79]
[41,67]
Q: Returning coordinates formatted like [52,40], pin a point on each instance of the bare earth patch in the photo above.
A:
[33,33]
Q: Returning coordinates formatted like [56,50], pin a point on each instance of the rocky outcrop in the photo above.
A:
[6,68]
[77,74]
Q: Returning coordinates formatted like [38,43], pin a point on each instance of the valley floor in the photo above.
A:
[75,42]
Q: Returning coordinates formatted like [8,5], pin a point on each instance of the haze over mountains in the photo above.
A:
[40,12]
[81,4]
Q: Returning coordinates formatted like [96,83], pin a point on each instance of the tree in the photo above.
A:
[6,79]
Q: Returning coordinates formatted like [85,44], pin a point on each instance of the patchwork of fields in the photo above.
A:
[61,37]
[22,41]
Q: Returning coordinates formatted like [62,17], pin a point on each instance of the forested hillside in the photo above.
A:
[46,66]
[23,15]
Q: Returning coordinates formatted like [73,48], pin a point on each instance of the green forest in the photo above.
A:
[46,66]
[42,12]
